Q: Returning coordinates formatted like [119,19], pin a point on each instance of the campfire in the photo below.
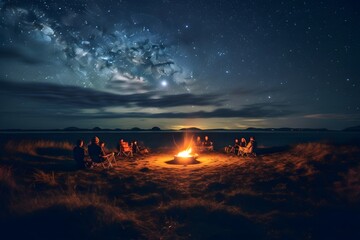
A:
[185,157]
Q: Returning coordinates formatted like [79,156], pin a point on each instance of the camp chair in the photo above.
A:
[125,150]
[104,161]
[247,151]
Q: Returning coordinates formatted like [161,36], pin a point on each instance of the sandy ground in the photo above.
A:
[308,191]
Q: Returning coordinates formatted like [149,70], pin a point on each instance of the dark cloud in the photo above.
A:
[14,54]
[250,111]
[76,97]
[263,110]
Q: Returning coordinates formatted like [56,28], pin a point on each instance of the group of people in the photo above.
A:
[97,153]
[205,145]
[95,150]
[242,147]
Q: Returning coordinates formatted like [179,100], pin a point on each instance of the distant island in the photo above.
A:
[190,129]
[352,129]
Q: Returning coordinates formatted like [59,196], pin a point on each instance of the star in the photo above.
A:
[164,83]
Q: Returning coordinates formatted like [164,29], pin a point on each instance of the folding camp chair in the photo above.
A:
[247,151]
[125,150]
[104,161]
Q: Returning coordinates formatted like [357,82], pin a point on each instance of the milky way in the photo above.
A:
[128,56]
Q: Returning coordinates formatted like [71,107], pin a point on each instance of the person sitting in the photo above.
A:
[199,144]
[135,147]
[139,148]
[208,145]
[234,148]
[243,142]
[79,154]
[249,149]
[95,151]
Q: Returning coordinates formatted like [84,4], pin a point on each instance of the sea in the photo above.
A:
[176,139]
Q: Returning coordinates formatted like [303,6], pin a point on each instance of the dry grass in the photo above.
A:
[349,186]
[71,201]
[275,195]
[90,215]
[40,177]
[33,147]
[7,177]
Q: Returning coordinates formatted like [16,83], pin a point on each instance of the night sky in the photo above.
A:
[173,64]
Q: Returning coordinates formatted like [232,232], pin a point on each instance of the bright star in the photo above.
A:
[164,83]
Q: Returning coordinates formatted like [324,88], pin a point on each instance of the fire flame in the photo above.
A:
[185,153]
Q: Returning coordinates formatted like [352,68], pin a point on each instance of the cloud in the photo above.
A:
[14,54]
[333,116]
[253,111]
[69,102]
[85,98]
[249,111]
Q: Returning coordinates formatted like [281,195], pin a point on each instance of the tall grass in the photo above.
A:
[313,151]
[31,147]
[46,178]
[107,212]
[7,178]
[349,186]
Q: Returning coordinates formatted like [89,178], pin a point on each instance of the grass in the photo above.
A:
[43,148]
[280,195]
[41,177]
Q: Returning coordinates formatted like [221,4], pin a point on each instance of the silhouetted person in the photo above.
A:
[135,147]
[139,148]
[95,151]
[233,148]
[243,142]
[198,142]
[208,144]
[236,145]
[79,154]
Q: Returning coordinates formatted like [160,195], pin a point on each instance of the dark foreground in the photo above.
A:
[309,191]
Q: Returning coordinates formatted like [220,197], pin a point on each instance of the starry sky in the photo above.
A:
[173,64]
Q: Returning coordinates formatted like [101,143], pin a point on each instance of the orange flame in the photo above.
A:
[185,153]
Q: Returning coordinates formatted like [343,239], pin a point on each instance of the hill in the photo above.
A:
[352,129]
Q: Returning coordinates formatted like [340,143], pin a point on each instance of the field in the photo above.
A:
[304,191]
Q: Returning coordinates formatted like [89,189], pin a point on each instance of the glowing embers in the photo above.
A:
[186,157]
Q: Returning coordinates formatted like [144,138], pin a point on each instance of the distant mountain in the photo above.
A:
[72,129]
[288,129]
[352,129]
[191,129]
[155,129]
